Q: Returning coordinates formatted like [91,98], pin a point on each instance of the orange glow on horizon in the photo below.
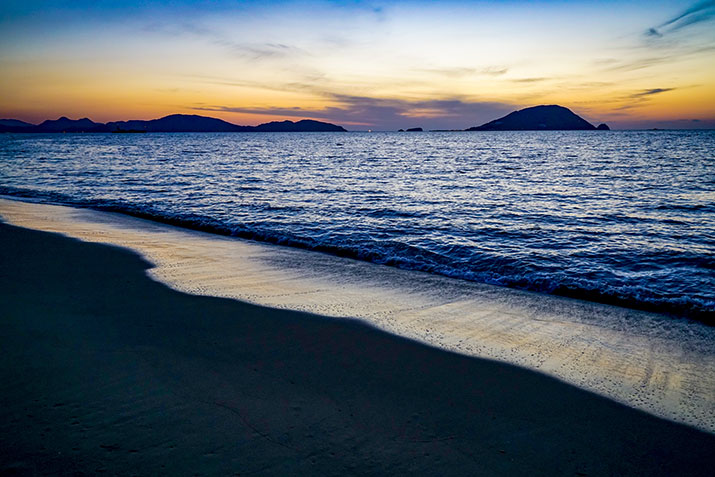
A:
[370,69]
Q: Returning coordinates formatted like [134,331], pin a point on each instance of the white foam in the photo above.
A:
[651,362]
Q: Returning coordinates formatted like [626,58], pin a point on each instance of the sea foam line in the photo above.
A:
[648,361]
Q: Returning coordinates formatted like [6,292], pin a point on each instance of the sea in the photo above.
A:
[617,217]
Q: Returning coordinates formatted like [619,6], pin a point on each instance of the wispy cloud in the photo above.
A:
[697,13]
[636,99]
[627,122]
[667,43]
[669,56]
[457,72]
[650,92]
[494,71]
[529,80]
[387,113]
[245,50]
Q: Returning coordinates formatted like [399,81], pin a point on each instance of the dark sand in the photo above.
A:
[104,370]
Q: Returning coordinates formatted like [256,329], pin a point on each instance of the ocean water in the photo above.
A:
[623,217]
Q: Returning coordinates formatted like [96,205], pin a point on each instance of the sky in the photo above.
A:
[378,65]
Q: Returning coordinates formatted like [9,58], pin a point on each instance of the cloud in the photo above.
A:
[249,51]
[529,80]
[627,122]
[494,71]
[640,63]
[697,13]
[673,55]
[636,100]
[650,92]
[458,72]
[455,72]
[387,113]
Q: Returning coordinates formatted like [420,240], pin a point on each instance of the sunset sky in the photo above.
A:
[360,64]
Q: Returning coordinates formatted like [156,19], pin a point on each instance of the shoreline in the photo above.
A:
[646,361]
[106,370]
[695,313]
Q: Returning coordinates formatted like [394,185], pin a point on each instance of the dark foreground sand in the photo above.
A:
[104,370]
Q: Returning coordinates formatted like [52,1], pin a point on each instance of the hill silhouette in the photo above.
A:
[171,123]
[65,124]
[304,125]
[538,118]
[15,123]
[178,123]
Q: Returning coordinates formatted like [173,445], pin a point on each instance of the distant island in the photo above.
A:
[537,118]
[171,123]
[540,118]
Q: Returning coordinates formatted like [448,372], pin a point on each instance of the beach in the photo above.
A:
[648,361]
[106,370]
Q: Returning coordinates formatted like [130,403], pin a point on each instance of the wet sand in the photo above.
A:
[105,370]
[651,362]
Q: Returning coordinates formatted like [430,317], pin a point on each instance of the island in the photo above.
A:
[14,123]
[171,123]
[537,118]
[540,118]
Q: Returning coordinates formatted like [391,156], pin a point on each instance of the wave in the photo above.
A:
[454,261]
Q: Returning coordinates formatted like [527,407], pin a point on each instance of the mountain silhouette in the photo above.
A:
[15,123]
[178,123]
[304,125]
[171,123]
[538,118]
[65,124]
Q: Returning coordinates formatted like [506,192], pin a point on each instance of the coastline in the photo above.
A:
[105,370]
[650,362]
